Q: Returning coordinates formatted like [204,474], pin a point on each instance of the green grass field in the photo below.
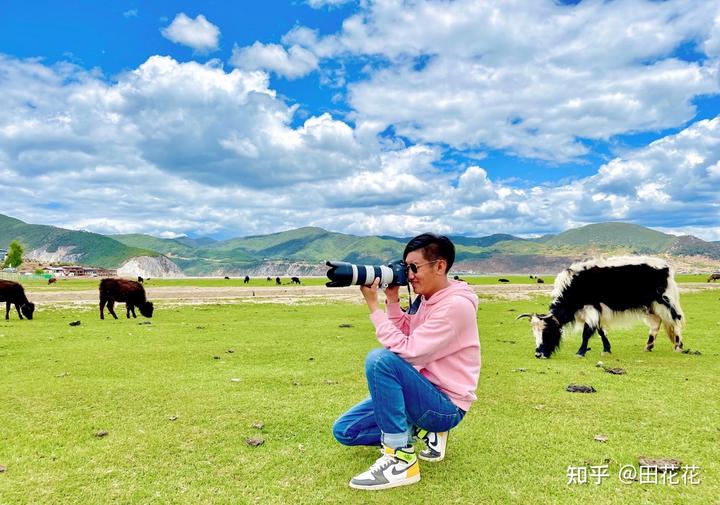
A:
[180,396]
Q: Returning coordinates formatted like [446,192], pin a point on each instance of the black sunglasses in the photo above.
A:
[412,267]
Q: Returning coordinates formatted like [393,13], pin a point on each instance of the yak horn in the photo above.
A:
[524,315]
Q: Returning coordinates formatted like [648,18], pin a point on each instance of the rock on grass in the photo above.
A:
[580,388]
[662,465]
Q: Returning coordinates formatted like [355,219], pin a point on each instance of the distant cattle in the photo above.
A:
[295,280]
[246,279]
[124,291]
[13,293]
[52,280]
[457,278]
[140,279]
[714,277]
[540,281]
[226,277]
[277,281]
[269,279]
[503,280]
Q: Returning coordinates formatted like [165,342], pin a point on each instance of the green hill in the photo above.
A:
[92,248]
[634,238]
[311,246]
[161,245]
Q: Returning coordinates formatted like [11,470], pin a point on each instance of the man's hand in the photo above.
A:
[392,294]
[370,293]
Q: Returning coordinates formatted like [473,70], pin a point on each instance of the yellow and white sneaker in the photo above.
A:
[435,444]
[396,467]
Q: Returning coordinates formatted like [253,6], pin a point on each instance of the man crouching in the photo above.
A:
[424,379]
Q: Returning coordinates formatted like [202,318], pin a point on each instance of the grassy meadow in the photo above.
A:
[180,396]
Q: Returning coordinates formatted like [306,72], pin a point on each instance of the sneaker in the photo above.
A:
[396,467]
[435,443]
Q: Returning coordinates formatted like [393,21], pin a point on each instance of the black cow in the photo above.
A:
[594,293]
[246,279]
[295,280]
[277,281]
[13,293]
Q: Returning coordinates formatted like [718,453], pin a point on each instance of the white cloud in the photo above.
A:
[536,78]
[319,4]
[132,13]
[291,63]
[199,33]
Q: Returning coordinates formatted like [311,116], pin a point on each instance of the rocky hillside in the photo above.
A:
[149,267]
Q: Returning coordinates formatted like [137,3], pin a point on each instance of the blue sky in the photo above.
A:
[368,117]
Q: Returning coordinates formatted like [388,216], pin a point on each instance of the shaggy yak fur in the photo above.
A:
[13,293]
[122,290]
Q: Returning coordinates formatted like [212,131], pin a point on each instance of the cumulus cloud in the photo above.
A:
[291,63]
[538,80]
[199,33]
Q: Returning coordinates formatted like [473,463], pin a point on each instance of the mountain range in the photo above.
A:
[303,251]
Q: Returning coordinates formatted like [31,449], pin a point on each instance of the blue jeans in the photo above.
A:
[400,397]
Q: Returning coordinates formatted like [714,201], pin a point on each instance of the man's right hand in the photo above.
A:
[392,294]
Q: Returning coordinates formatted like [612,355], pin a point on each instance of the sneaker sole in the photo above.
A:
[431,460]
[404,482]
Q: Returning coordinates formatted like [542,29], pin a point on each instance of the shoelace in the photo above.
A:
[383,462]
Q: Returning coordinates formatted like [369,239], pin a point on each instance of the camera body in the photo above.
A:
[342,273]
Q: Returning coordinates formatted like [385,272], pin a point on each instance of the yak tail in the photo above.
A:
[673,312]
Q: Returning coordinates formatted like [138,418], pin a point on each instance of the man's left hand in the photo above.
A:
[370,293]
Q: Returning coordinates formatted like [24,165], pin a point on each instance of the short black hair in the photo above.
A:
[433,247]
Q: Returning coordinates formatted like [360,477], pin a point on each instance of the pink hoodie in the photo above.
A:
[441,340]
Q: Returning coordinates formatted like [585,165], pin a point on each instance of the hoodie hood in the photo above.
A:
[456,288]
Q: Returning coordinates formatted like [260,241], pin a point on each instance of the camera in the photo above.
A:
[342,274]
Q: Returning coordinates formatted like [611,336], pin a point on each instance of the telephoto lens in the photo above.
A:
[342,273]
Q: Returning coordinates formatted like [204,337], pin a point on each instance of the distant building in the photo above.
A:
[80,271]
[3,254]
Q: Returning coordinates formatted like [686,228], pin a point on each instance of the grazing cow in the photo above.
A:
[277,281]
[227,278]
[295,280]
[246,279]
[540,281]
[714,277]
[503,280]
[457,278]
[13,293]
[122,290]
[269,279]
[594,294]
[52,280]
[532,276]
[140,279]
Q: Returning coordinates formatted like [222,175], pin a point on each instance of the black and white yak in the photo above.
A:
[609,292]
